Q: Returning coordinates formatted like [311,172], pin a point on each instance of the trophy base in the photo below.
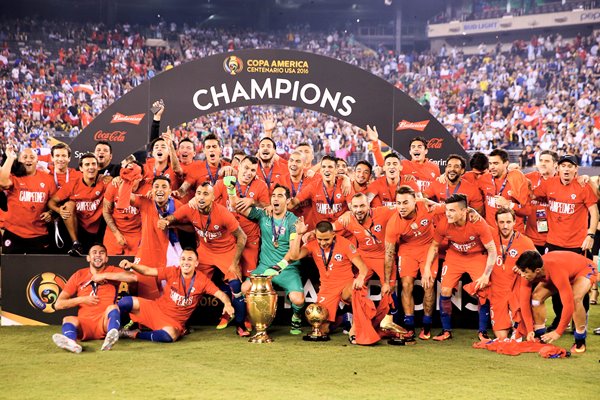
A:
[316,338]
[260,337]
[401,342]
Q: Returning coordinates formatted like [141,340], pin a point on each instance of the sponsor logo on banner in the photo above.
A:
[114,136]
[435,143]
[415,126]
[233,65]
[129,119]
[43,290]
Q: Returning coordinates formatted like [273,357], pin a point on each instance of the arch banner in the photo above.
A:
[268,77]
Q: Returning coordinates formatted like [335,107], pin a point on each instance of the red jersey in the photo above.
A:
[256,190]
[370,235]
[88,201]
[278,170]
[202,171]
[471,177]
[155,242]
[128,219]
[441,191]
[187,169]
[60,179]
[491,187]
[567,210]
[179,300]
[150,172]
[338,260]
[80,284]
[503,278]
[561,268]
[385,193]
[467,239]
[537,219]
[425,172]
[214,230]
[412,233]
[327,204]
[27,199]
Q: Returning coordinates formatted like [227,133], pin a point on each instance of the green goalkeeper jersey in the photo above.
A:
[271,250]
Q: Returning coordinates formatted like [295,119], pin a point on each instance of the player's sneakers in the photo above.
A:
[387,325]
[296,325]
[76,250]
[578,348]
[597,331]
[425,334]
[248,324]
[224,322]
[483,336]
[65,343]
[242,331]
[111,338]
[129,333]
[443,335]
[409,335]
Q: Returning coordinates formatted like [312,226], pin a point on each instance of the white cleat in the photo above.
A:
[111,338]
[65,343]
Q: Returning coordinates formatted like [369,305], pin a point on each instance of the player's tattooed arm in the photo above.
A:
[390,253]
[107,211]
[241,239]
[484,279]
[182,191]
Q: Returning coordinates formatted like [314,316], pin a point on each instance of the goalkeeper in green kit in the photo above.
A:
[277,231]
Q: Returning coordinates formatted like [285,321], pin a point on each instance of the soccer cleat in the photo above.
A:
[76,250]
[248,324]
[578,348]
[128,333]
[65,343]
[443,335]
[409,335]
[296,325]
[111,338]
[387,325]
[597,331]
[224,322]
[242,331]
[483,336]
[424,335]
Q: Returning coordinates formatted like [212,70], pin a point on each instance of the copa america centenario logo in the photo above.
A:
[43,290]
[233,65]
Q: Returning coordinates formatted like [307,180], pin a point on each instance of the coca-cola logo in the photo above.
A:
[130,119]
[435,143]
[415,126]
[114,136]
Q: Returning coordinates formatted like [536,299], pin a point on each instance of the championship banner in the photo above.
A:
[267,77]
[32,283]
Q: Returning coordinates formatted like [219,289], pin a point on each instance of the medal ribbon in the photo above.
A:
[187,292]
[329,200]
[327,260]
[454,191]
[277,229]
[295,190]
[501,187]
[169,211]
[505,251]
[213,179]
[267,179]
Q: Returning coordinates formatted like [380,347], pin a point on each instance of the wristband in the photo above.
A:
[592,235]
[282,264]
[293,236]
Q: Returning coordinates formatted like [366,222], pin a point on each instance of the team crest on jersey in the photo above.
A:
[42,185]
[338,196]
[513,253]
[251,194]
[573,196]
[509,192]
[377,228]
[433,174]
[338,257]
[471,237]
[216,227]
[424,222]
[98,193]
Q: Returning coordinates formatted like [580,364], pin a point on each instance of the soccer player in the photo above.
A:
[164,162]
[123,220]
[411,229]
[61,157]
[453,183]
[27,193]
[93,291]
[79,205]
[419,166]
[468,243]
[157,247]
[167,315]
[269,168]
[571,275]
[510,244]
[103,153]
[479,164]
[499,189]
[334,256]
[247,192]
[362,176]
[382,191]
[325,193]
[296,181]
[276,232]
[221,242]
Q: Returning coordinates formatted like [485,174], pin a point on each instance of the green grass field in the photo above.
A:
[217,364]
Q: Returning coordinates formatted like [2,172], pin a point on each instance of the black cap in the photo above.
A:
[569,158]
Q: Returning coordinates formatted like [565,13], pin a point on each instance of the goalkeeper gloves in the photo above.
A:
[276,269]
[229,182]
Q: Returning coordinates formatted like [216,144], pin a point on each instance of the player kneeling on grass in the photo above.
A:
[571,275]
[93,290]
[167,315]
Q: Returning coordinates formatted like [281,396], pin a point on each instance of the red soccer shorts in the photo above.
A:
[249,259]
[114,248]
[412,261]
[455,265]
[330,295]
[151,316]
[375,265]
[208,261]
[147,287]
[92,328]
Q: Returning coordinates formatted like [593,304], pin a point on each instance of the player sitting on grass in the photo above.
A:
[167,315]
[93,290]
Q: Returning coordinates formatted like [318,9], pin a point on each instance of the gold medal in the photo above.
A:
[276,243]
